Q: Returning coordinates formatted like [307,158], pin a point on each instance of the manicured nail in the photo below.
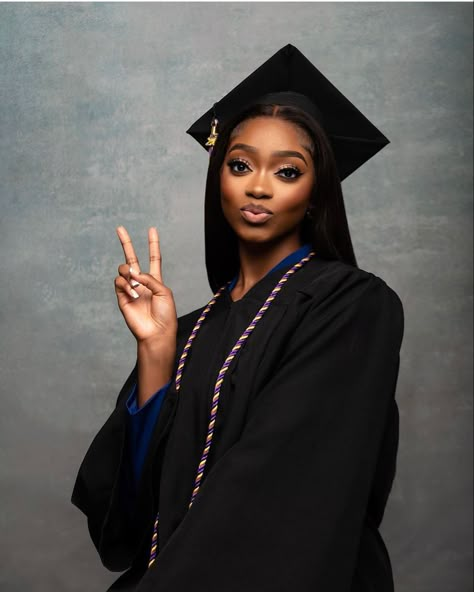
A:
[134,283]
[134,294]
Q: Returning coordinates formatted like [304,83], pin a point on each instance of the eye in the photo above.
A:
[293,172]
[237,165]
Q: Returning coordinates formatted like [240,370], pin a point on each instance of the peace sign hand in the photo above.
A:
[146,303]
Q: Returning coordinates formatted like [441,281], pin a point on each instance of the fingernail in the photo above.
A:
[132,270]
[134,294]
[134,283]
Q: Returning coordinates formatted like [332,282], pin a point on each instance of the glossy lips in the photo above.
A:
[256,208]
[256,218]
[255,213]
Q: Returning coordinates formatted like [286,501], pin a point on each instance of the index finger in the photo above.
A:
[129,252]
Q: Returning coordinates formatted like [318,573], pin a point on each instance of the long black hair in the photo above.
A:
[326,227]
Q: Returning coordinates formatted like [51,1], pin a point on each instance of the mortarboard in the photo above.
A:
[288,77]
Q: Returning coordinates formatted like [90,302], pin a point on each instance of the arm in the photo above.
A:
[102,490]
[103,485]
[284,508]
[142,421]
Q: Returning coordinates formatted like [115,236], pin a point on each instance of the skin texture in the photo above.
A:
[282,184]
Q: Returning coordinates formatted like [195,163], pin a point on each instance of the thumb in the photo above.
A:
[156,287]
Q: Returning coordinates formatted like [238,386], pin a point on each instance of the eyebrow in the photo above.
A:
[276,153]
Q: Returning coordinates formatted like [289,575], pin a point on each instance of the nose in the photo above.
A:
[259,187]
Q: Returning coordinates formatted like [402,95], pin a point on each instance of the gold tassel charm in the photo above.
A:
[211,140]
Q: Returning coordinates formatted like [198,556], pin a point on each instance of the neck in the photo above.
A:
[256,260]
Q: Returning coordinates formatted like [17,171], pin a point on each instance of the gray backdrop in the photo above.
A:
[94,103]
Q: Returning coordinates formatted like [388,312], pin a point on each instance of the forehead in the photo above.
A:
[270,131]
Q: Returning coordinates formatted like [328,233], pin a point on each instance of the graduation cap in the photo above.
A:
[289,78]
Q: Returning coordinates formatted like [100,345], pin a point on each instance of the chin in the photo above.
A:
[259,237]
[257,233]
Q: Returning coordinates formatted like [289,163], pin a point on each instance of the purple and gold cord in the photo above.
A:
[215,400]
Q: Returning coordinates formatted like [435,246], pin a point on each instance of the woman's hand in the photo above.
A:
[146,303]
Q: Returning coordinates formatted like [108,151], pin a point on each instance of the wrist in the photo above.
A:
[163,347]
[155,362]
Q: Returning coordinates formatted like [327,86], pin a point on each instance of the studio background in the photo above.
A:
[94,103]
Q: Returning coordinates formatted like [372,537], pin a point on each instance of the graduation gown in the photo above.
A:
[303,455]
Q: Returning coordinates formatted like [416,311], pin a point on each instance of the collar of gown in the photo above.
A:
[289,260]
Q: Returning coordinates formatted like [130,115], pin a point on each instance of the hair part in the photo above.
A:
[326,228]
[304,138]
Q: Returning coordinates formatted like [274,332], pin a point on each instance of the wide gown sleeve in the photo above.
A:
[283,509]
[106,490]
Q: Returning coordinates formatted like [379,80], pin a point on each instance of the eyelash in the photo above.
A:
[285,168]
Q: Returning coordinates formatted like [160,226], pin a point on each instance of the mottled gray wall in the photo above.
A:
[94,103]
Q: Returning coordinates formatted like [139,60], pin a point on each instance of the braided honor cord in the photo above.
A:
[220,378]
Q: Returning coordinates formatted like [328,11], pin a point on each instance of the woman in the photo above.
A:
[253,446]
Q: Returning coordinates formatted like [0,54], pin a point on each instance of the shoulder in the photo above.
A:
[338,285]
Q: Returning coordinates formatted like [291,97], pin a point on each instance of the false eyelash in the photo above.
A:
[284,168]
[291,168]
[235,160]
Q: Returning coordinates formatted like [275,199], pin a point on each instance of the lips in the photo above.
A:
[256,209]
[255,217]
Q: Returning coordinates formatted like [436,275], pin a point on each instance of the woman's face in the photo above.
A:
[267,163]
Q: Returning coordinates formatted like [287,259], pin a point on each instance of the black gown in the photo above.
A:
[303,455]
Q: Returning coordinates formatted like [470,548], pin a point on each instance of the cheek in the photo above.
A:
[230,187]
[297,196]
